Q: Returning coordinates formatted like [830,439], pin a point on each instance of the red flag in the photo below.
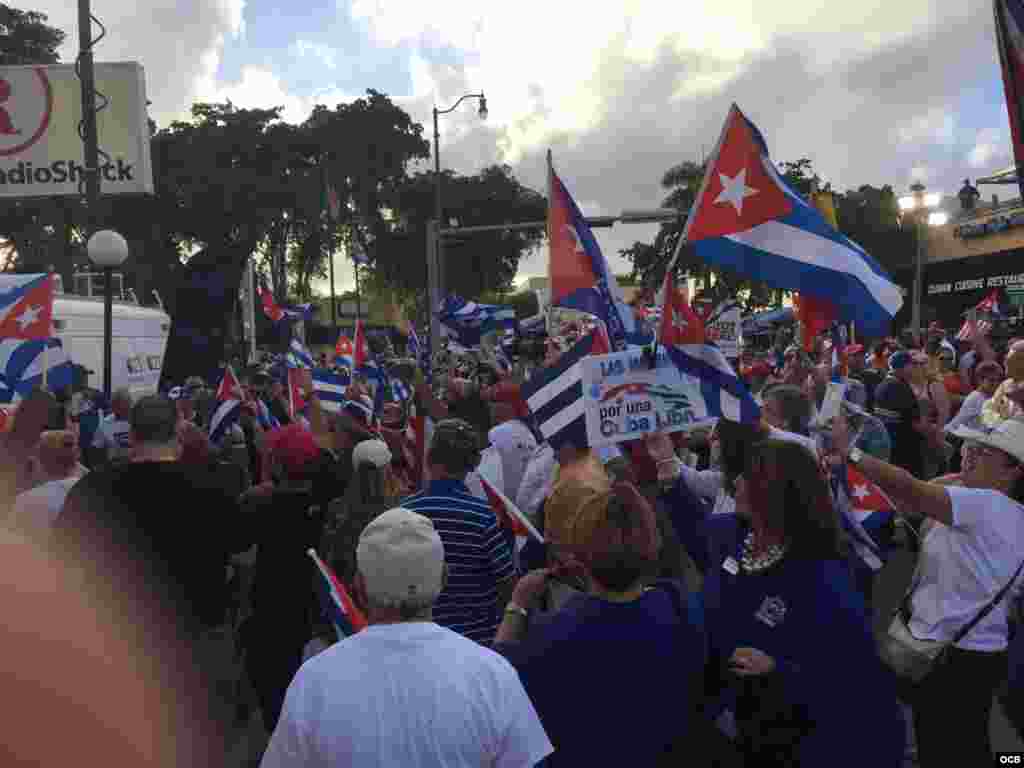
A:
[602,345]
[815,316]
[509,515]
[679,323]
[740,189]
[270,308]
[360,354]
[344,348]
[230,388]
[295,400]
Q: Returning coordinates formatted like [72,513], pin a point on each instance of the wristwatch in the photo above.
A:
[855,455]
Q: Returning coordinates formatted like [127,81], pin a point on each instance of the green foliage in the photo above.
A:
[473,264]
[26,38]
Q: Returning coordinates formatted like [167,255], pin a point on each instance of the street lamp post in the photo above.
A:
[107,250]
[437,284]
[919,204]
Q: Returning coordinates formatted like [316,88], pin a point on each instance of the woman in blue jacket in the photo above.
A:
[792,654]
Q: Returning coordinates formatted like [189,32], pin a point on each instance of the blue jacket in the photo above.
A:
[807,615]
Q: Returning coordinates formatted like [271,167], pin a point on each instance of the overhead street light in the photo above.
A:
[435,258]
[918,205]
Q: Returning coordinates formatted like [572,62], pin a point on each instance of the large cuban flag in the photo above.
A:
[748,219]
[579,276]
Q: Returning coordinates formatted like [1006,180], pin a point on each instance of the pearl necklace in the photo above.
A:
[762,562]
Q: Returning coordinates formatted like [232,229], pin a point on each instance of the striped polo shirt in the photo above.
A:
[477,554]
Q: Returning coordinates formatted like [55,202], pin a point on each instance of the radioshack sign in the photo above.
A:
[41,153]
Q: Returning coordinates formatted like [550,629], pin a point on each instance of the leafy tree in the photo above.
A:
[473,264]
[26,38]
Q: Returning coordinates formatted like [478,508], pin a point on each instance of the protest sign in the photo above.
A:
[625,399]
[724,327]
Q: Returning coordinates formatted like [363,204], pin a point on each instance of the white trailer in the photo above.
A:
[139,336]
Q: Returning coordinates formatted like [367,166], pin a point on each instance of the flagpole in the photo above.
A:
[547,228]
[1011,87]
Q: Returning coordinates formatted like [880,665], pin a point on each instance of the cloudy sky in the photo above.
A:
[873,92]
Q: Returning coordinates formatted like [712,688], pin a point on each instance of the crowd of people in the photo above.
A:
[700,598]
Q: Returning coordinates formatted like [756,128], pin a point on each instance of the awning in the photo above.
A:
[1007,176]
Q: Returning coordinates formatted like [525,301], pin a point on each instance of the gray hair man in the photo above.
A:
[405,691]
[112,444]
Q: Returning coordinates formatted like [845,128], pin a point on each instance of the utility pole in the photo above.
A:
[87,75]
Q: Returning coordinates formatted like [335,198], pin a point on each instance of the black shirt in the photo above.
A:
[159,533]
[870,378]
[897,406]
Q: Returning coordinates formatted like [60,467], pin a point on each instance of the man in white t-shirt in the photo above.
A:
[112,441]
[405,691]
[971,548]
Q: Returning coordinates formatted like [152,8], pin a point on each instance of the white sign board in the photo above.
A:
[625,399]
[41,154]
[724,329]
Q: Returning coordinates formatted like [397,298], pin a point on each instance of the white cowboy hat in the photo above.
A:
[1007,436]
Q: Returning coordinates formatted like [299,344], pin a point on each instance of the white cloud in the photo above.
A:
[322,53]
[989,145]
[936,126]
[174,40]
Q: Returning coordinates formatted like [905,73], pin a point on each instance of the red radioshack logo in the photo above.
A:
[26,105]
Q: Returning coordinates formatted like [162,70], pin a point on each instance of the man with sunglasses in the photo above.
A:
[478,553]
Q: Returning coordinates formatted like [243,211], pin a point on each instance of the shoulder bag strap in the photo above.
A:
[988,608]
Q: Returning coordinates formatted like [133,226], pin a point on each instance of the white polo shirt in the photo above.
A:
[112,436]
[962,566]
[410,694]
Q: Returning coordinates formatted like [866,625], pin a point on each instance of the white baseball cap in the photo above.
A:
[375,452]
[1007,436]
[401,557]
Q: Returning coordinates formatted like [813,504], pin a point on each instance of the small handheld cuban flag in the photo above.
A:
[298,356]
[400,391]
[335,600]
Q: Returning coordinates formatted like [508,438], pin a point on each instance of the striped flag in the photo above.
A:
[298,356]
[400,391]
[554,395]
[865,514]
[330,388]
[509,515]
[229,408]
[748,219]
[337,604]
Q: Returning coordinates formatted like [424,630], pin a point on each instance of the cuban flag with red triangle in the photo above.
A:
[748,219]
[866,514]
[344,351]
[26,306]
[509,515]
[579,276]
[230,388]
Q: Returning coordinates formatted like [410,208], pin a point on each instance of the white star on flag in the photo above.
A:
[861,492]
[576,238]
[29,316]
[735,190]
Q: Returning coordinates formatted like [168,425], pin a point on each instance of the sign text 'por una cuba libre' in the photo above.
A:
[625,399]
